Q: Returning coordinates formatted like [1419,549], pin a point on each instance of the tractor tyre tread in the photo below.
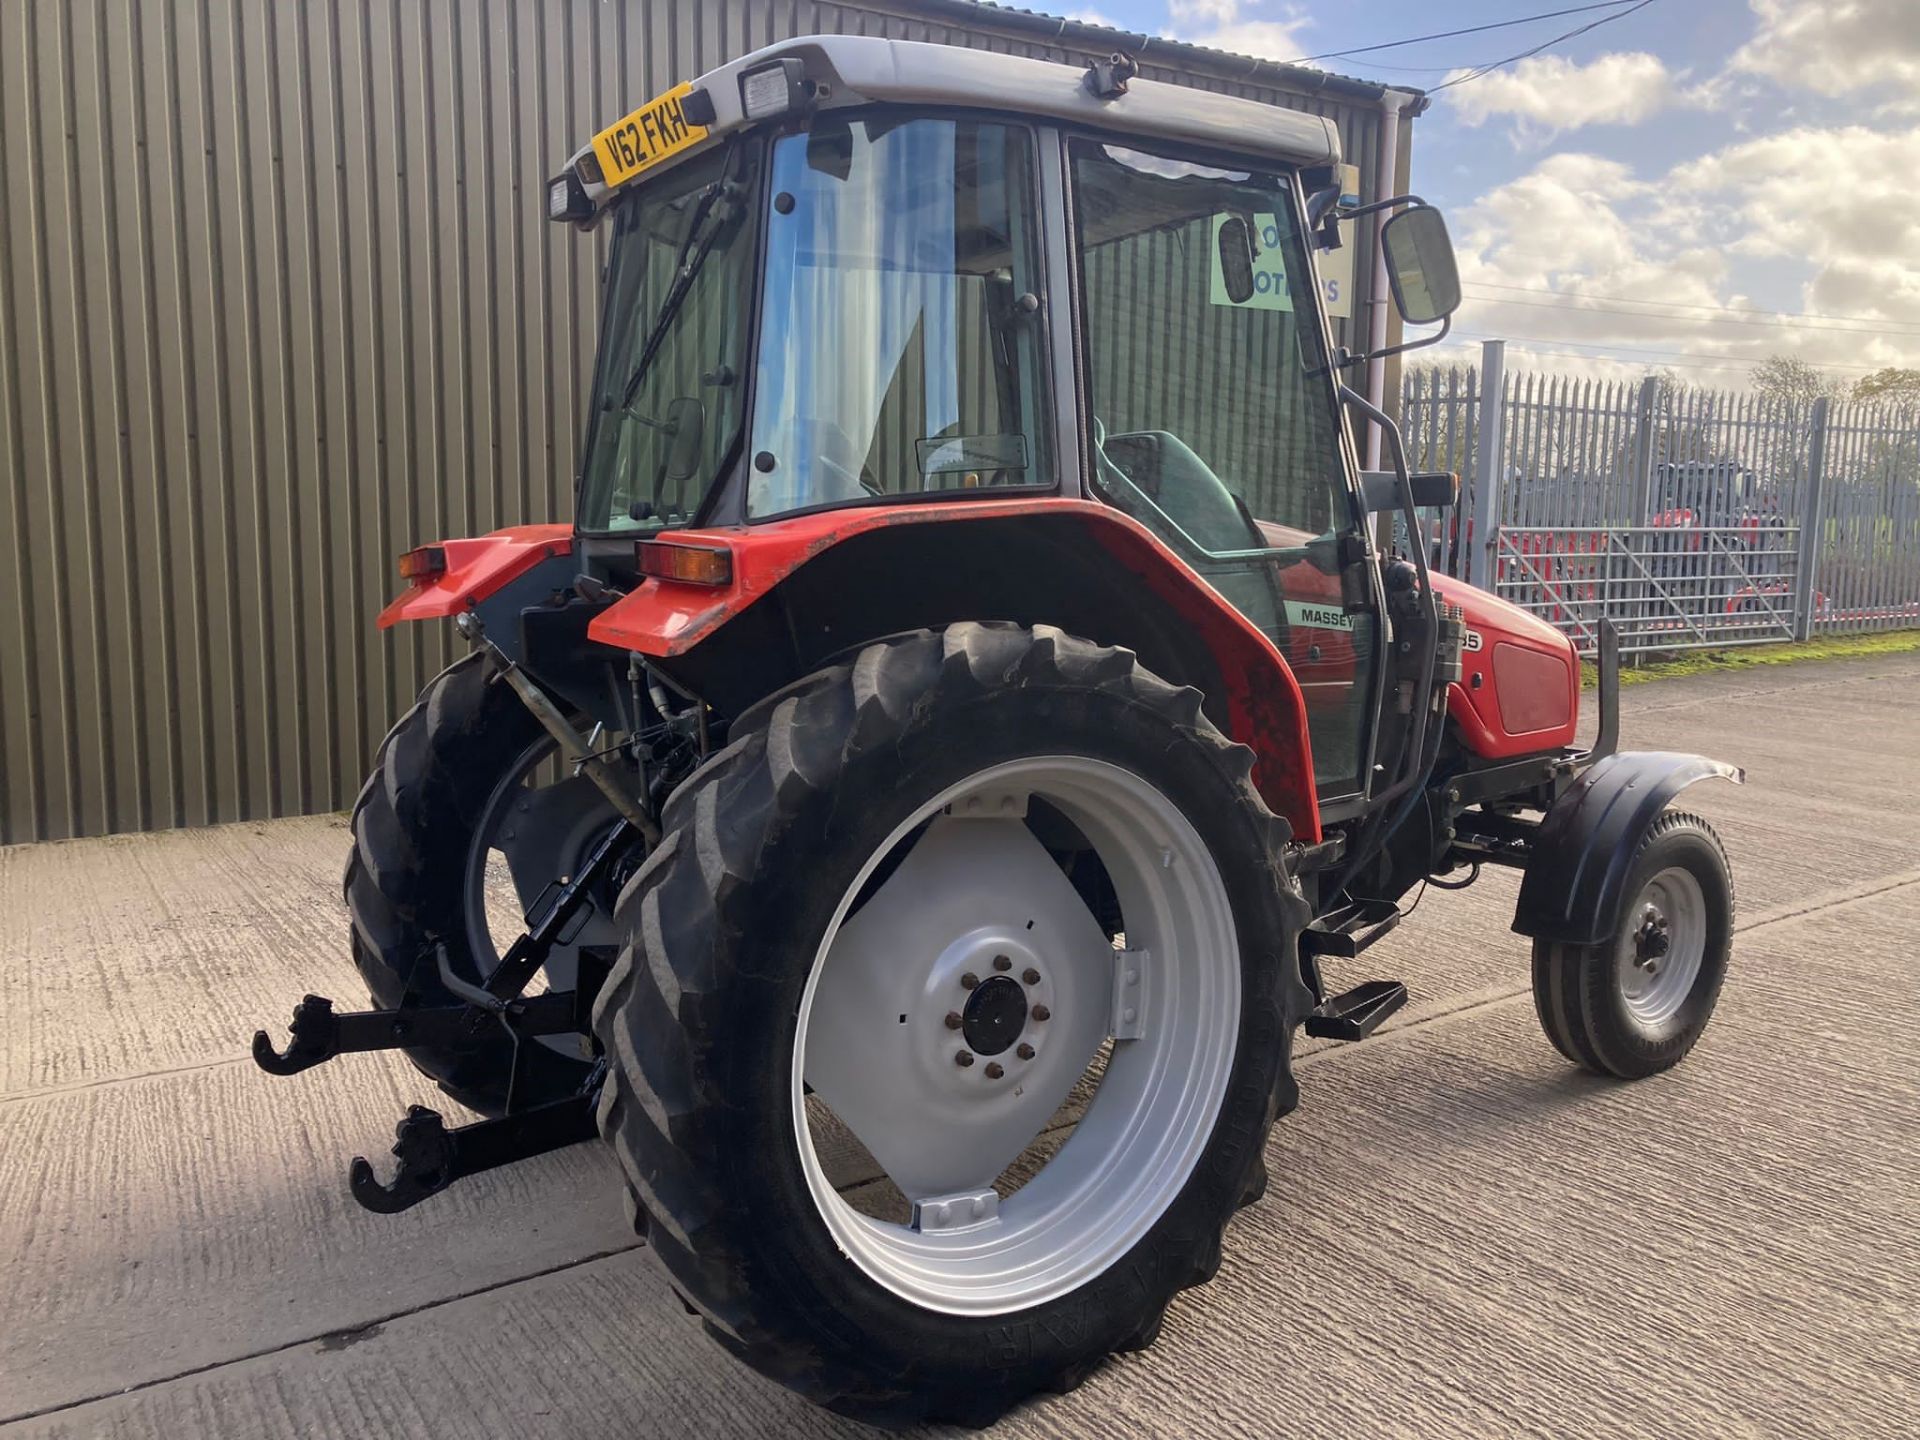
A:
[431,776]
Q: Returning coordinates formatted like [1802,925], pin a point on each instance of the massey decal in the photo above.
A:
[1318,617]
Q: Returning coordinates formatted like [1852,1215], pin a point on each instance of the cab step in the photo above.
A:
[1345,932]
[1358,1013]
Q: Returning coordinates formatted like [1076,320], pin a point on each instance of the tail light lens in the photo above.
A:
[687,564]
[424,564]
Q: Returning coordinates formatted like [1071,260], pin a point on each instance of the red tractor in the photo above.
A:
[969,726]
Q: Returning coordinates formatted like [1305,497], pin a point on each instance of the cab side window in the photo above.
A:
[1186,381]
[1214,420]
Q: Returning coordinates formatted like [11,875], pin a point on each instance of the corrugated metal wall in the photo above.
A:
[276,301]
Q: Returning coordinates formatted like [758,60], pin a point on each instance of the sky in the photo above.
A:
[1693,185]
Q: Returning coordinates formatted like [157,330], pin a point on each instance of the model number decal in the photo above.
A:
[1473,641]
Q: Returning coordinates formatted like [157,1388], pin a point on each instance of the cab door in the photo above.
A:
[1213,417]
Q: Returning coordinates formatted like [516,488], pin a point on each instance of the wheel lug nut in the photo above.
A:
[969,980]
[1041,1012]
[1001,962]
[994,1072]
[1025,1052]
[1030,975]
[953,1020]
[963,1059]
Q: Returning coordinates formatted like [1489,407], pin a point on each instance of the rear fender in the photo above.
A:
[967,562]
[519,584]
[1576,878]
[479,568]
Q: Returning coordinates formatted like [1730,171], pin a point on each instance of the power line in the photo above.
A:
[1449,34]
[1694,355]
[1533,349]
[1685,304]
[1543,45]
[1576,309]
[1373,65]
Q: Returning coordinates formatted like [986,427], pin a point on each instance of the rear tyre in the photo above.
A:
[1635,1004]
[444,781]
[797,958]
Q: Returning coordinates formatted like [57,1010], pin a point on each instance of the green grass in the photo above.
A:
[1714,662]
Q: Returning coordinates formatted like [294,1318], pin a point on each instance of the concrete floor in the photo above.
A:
[1463,1236]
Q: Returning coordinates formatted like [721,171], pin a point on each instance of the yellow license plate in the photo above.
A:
[657,131]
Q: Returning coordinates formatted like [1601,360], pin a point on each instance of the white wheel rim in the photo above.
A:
[1662,946]
[962,899]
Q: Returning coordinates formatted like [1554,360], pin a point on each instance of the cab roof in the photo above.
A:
[859,70]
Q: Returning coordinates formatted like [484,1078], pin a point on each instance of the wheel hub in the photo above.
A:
[995,1014]
[1660,951]
[1652,940]
[989,991]
[980,904]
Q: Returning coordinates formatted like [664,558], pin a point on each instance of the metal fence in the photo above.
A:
[1689,517]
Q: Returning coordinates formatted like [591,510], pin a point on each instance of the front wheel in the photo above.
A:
[1636,1003]
[910,1127]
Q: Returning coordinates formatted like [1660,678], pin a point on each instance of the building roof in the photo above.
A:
[1157,49]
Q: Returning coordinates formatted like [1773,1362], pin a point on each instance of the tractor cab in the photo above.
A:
[839,285]
[969,724]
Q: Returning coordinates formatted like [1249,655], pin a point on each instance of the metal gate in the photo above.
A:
[1664,587]
[1690,518]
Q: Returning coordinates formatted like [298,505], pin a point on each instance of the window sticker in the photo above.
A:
[1270,271]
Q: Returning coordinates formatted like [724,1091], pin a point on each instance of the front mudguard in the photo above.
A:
[1576,877]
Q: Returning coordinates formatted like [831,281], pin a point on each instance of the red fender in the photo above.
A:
[1264,707]
[476,568]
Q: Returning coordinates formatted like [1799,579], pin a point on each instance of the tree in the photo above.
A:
[1789,379]
[1891,386]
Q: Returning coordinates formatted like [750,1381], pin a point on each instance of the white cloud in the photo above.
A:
[1561,253]
[1558,217]
[1834,47]
[1214,12]
[1548,93]
[1262,39]
[1841,198]
[1225,25]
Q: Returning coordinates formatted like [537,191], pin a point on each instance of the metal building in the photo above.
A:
[277,300]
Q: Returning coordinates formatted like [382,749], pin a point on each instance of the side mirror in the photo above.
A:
[686,427]
[1432,490]
[1420,265]
[1236,258]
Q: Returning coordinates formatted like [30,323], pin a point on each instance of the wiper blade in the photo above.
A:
[713,211]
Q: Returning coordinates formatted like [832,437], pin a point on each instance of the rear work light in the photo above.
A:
[424,564]
[687,564]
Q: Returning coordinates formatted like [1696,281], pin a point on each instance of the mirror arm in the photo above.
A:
[1347,357]
[1390,203]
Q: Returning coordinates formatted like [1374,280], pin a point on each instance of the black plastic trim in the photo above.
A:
[1576,878]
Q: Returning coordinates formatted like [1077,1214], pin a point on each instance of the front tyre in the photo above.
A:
[1636,1003]
[909,1128]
